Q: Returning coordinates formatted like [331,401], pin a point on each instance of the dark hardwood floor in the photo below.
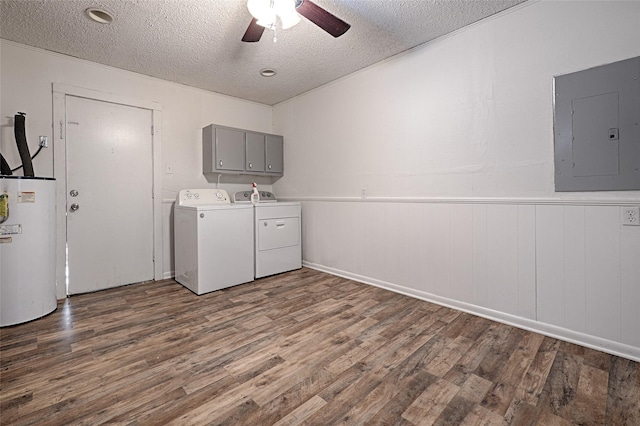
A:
[298,348]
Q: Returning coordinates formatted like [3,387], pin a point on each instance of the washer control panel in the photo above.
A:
[203,197]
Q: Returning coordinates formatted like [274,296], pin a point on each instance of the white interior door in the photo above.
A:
[109,194]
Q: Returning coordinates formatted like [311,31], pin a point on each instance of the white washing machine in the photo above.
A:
[278,233]
[213,241]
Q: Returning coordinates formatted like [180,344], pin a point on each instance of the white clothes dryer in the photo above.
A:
[213,241]
[277,233]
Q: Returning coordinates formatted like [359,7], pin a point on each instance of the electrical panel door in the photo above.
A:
[597,129]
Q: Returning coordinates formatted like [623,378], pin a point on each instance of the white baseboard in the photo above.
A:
[582,339]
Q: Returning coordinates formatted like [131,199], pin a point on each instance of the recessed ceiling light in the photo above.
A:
[267,72]
[99,15]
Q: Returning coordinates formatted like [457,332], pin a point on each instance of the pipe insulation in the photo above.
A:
[21,141]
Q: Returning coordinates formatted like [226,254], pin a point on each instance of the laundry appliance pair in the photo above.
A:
[219,244]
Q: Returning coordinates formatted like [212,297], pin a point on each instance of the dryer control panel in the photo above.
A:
[203,197]
[245,197]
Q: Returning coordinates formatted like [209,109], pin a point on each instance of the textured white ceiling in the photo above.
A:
[197,42]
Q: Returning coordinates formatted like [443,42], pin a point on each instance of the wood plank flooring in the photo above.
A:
[298,348]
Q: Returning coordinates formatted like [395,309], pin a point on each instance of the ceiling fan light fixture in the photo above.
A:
[257,8]
[267,22]
[289,19]
[267,11]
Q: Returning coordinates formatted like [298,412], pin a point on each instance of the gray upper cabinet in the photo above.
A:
[237,151]
[255,152]
[274,155]
[228,156]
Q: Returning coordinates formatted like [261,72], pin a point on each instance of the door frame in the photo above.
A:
[60,91]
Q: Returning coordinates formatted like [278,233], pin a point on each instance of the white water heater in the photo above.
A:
[27,248]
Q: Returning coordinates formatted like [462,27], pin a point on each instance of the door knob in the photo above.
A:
[74,207]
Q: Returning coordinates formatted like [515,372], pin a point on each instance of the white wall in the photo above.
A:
[452,143]
[26,81]
[469,115]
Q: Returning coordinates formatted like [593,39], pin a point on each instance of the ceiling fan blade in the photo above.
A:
[254,32]
[325,20]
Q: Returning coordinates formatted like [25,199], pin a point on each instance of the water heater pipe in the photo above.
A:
[21,141]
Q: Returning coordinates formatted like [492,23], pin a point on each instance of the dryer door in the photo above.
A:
[278,243]
[278,233]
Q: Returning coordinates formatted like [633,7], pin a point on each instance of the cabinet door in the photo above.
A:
[273,148]
[255,152]
[229,149]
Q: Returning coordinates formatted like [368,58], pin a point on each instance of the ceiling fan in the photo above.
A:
[265,12]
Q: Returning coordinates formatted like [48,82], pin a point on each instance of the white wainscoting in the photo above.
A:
[589,271]
[568,270]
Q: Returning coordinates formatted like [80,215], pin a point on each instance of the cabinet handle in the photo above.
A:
[269,166]
[251,165]
[220,162]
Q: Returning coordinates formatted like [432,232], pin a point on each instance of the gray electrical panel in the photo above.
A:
[596,128]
